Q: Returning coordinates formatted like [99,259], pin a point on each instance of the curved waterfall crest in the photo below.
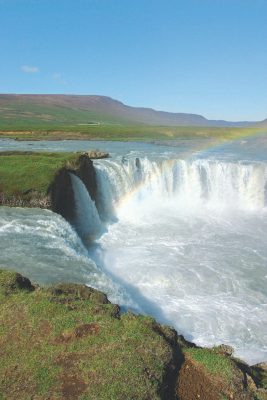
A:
[186,184]
[194,182]
[192,231]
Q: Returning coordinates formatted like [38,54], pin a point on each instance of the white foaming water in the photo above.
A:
[44,247]
[189,184]
[189,245]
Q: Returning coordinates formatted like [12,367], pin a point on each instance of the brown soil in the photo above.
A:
[85,330]
[194,383]
[79,332]
[72,387]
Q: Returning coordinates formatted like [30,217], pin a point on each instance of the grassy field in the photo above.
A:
[124,132]
[79,117]
[22,172]
[68,342]
[27,115]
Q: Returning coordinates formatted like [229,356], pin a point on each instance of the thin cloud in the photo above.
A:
[29,69]
[58,78]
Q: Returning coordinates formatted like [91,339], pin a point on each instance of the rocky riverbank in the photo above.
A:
[69,342]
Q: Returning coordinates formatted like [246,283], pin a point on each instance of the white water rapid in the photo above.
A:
[189,185]
[178,232]
[189,245]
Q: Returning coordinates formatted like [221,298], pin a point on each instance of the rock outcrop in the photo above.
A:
[95,154]
[36,185]
[86,172]
[61,195]
[61,191]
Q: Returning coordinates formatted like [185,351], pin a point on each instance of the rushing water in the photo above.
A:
[180,232]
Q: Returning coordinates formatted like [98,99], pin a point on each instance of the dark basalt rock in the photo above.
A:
[95,154]
[62,196]
[259,374]
[224,349]
[87,174]
[76,291]
[61,191]
[137,163]
[12,282]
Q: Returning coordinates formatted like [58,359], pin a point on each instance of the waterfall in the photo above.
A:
[189,245]
[133,187]
[188,183]
[87,221]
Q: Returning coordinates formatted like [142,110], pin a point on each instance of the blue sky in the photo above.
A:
[200,56]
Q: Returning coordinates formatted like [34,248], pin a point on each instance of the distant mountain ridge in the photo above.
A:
[101,108]
[262,123]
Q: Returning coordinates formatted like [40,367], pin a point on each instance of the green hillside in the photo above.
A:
[57,117]
[27,115]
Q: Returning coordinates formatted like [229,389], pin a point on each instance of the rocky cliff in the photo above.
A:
[42,180]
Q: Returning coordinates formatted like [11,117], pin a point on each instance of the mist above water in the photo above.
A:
[189,245]
[180,237]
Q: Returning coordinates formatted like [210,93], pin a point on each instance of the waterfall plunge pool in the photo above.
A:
[183,237]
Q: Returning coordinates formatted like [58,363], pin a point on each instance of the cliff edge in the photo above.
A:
[69,342]
[32,179]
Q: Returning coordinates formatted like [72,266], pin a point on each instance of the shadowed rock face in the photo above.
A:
[86,172]
[62,196]
[61,191]
[12,282]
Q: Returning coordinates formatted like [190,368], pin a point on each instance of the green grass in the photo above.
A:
[122,359]
[260,396]
[27,115]
[25,119]
[67,342]
[215,364]
[105,131]
[21,172]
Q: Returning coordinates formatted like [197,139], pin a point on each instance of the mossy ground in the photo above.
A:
[63,346]
[68,342]
[22,173]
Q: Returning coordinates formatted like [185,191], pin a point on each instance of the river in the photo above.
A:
[180,233]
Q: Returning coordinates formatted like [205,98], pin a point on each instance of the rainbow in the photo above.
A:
[206,145]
